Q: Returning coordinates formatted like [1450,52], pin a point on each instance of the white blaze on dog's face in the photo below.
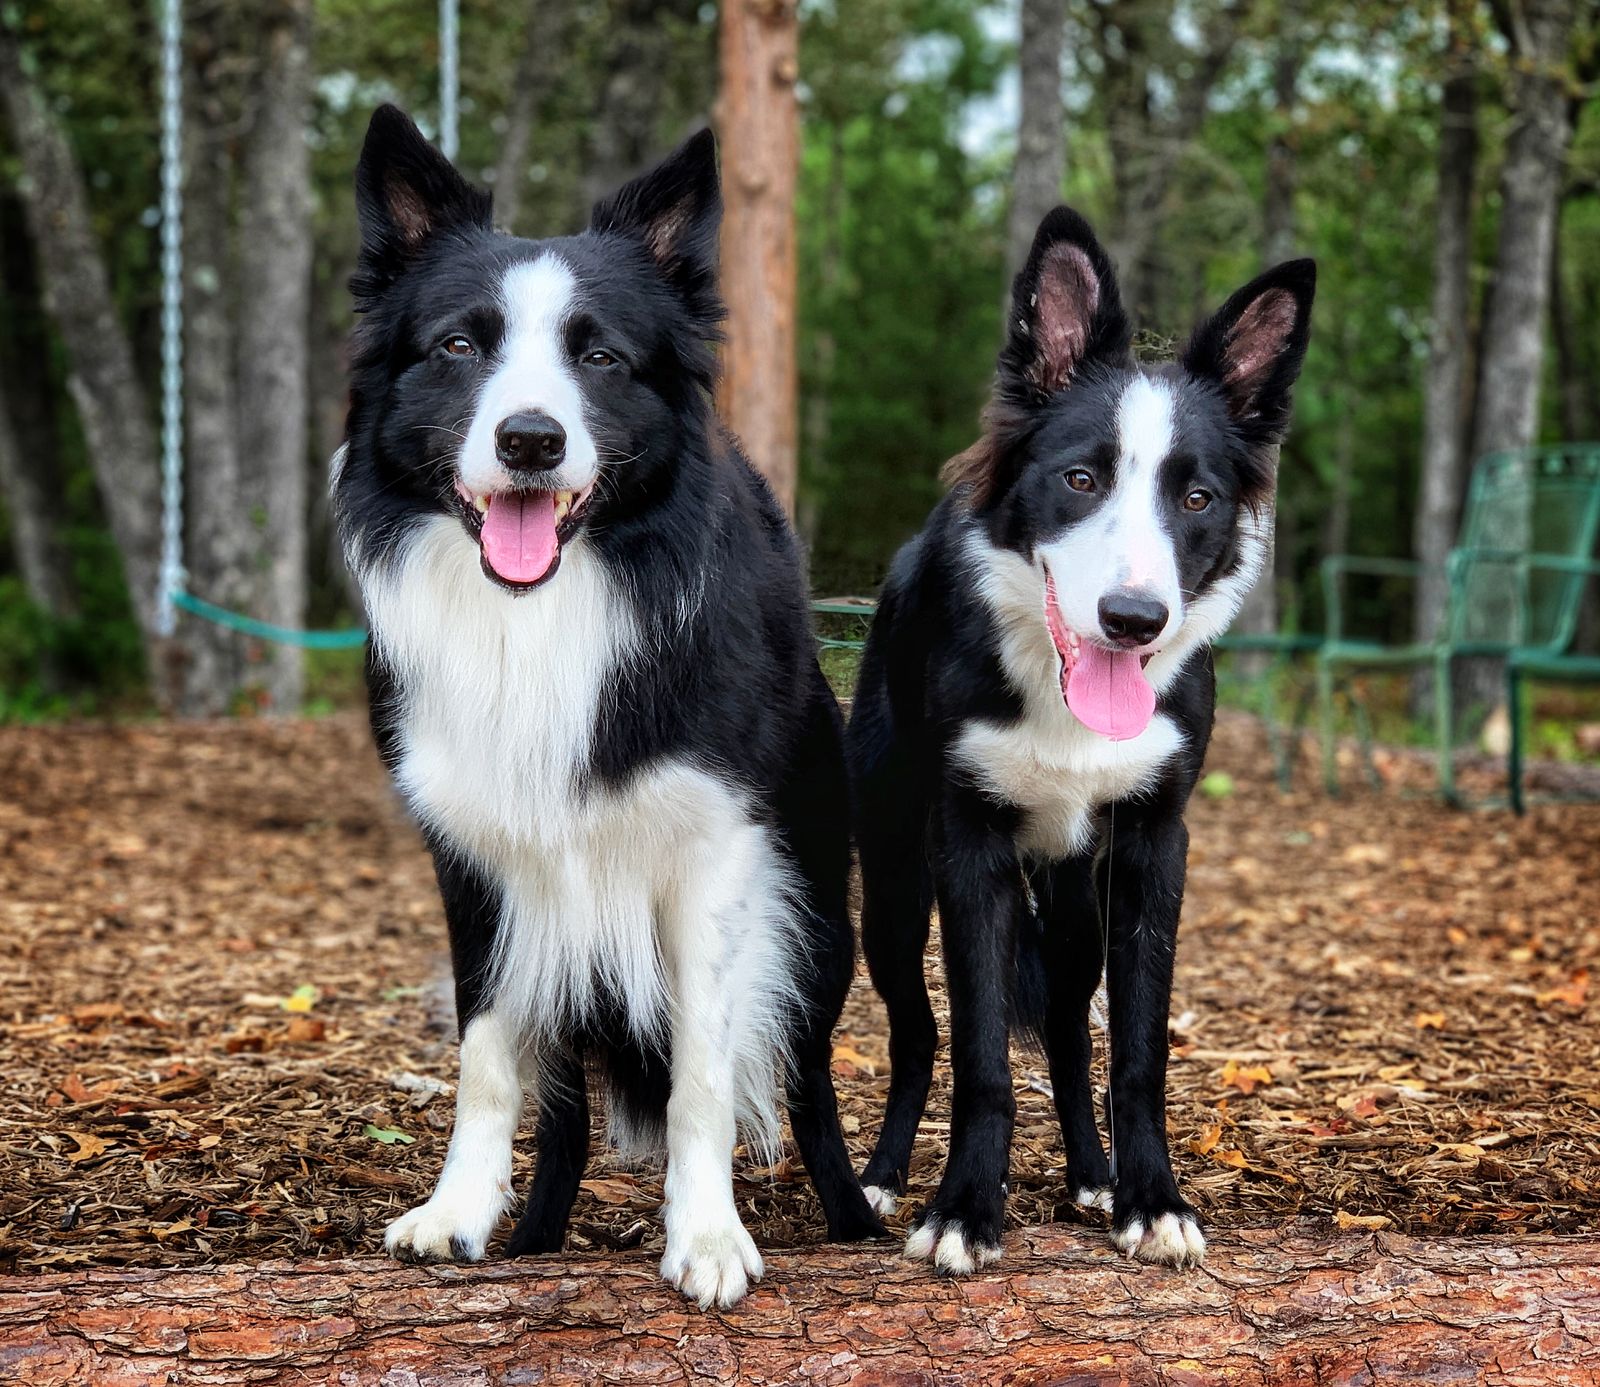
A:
[523,387]
[1138,496]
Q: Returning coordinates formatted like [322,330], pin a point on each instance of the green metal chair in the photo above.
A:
[1549,660]
[1540,502]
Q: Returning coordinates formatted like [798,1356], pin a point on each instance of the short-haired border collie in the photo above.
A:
[1033,709]
[592,677]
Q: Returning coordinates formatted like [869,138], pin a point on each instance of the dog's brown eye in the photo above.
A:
[1197,500]
[457,345]
[599,358]
[1080,480]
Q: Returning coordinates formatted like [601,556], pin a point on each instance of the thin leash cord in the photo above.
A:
[1105,953]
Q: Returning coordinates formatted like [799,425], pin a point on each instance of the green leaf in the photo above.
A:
[387,1135]
[1217,785]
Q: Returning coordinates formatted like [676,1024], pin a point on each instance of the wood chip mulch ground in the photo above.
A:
[223,1035]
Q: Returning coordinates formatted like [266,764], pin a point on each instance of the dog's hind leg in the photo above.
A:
[1072,958]
[897,896]
[563,1147]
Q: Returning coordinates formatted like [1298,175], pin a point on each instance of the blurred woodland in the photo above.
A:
[1441,160]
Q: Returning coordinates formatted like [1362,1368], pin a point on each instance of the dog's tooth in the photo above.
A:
[481,503]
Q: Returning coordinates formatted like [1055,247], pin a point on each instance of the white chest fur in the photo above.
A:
[496,723]
[1048,764]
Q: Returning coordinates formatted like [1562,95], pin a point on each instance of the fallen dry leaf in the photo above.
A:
[1245,1078]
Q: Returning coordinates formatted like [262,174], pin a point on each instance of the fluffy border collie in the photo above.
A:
[1033,709]
[592,677]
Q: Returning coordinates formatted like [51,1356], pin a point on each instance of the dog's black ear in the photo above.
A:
[406,194]
[1066,310]
[676,211]
[1252,347]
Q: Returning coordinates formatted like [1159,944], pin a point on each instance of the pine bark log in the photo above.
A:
[759,119]
[1271,1306]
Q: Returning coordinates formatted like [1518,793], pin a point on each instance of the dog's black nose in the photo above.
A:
[531,442]
[1131,618]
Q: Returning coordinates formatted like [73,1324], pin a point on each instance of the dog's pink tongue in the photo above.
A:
[519,535]
[1108,693]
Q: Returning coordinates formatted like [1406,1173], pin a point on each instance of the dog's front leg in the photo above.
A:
[981,902]
[1148,850]
[475,1187]
[709,1255]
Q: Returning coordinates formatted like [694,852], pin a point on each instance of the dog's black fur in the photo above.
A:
[1022,932]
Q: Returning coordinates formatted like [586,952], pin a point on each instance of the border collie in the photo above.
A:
[1033,709]
[593,679]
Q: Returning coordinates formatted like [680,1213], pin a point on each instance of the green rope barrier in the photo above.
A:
[351,639]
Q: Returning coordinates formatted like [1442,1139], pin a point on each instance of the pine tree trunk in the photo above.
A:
[1512,356]
[275,238]
[1041,127]
[1275,1306]
[102,379]
[760,126]
[1447,403]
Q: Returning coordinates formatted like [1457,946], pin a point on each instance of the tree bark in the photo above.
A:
[275,238]
[216,543]
[1259,613]
[34,504]
[1530,192]
[1512,355]
[760,123]
[102,380]
[1041,126]
[1271,1307]
[544,50]
[1447,389]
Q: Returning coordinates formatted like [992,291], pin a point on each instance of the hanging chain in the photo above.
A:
[449,75]
[171,570]
[1105,951]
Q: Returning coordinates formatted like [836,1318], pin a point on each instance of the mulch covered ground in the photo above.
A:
[222,1034]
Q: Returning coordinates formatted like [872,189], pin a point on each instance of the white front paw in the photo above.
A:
[445,1229]
[711,1263]
[951,1248]
[1172,1240]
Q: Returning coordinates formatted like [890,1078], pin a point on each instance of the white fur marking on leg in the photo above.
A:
[1172,1240]
[474,1188]
[882,1202]
[1088,1197]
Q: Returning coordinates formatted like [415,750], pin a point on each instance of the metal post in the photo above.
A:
[449,75]
[171,570]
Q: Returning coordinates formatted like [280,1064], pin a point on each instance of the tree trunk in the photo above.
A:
[1512,356]
[1447,405]
[1041,127]
[102,380]
[216,522]
[1259,614]
[1272,1306]
[33,501]
[545,44]
[275,237]
[1574,379]
[760,124]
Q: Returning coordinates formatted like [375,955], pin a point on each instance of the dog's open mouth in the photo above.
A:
[520,533]
[1105,689]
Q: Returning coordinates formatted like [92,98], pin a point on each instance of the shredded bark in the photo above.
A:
[225,1031]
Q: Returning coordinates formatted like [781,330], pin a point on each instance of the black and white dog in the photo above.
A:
[593,678]
[1033,709]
